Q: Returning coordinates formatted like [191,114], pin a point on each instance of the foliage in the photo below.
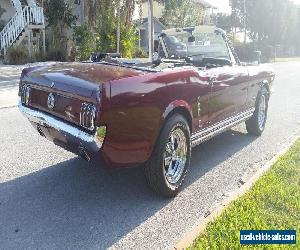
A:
[271,21]
[272,203]
[2,11]
[59,19]
[56,54]
[246,52]
[85,42]
[182,13]
[128,42]
[16,56]
[223,21]
[58,13]
[238,13]
[140,53]
[268,23]
[103,18]
[2,24]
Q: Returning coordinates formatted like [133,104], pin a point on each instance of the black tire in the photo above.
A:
[253,126]
[155,170]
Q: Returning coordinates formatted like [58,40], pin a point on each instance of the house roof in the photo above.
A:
[145,23]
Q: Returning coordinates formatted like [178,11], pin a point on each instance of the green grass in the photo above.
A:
[273,203]
[288,59]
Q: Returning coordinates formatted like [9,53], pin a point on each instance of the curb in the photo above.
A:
[188,239]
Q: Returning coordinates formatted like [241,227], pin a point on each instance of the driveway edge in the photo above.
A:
[188,239]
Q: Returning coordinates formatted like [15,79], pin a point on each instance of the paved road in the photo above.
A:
[9,79]
[52,199]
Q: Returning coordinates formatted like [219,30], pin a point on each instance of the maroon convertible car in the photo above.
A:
[122,113]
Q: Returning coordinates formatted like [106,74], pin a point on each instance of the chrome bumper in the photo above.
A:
[72,134]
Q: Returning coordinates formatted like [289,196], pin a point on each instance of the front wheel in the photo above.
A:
[257,123]
[168,164]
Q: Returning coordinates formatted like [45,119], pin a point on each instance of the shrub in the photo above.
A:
[2,24]
[246,52]
[140,53]
[128,41]
[56,55]
[85,42]
[16,56]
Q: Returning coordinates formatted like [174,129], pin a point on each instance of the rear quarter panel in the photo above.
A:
[135,109]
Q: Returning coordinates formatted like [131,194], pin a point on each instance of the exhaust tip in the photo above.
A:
[83,153]
[40,131]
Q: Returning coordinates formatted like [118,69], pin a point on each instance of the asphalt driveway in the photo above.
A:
[51,199]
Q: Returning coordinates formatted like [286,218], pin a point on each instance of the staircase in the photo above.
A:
[27,18]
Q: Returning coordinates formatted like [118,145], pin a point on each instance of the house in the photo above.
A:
[23,25]
[158,10]
[144,34]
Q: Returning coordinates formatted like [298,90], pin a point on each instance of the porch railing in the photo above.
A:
[23,18]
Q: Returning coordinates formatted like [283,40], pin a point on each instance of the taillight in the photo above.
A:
[25,94]
[87,116]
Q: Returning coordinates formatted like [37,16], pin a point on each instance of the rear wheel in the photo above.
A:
[168,164]
[257,123]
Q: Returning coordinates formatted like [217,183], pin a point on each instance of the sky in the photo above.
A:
[222,5]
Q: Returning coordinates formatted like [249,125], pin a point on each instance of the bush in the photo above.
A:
[85,42]
[246,52]
[2,24]
[16,56]
[56,55]
[140,53]
[128,41]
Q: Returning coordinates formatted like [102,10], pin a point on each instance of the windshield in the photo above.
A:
[197,45]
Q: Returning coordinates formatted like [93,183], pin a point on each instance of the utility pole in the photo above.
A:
[150,29]
[119,29]
[245,24]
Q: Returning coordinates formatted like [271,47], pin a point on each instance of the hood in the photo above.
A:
[76,78]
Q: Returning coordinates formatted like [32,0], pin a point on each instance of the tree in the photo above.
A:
[182,13]
[268,22]
[2,11]
[224,22]
[102,22]
[59,19]
[298,31]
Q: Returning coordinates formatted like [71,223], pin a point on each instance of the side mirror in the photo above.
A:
[156,59]
[191,39]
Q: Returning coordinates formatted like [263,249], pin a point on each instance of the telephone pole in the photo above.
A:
[245,24]
[119,28]
[150,29]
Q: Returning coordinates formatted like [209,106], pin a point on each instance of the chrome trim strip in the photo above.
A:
[89,141]
[216,129]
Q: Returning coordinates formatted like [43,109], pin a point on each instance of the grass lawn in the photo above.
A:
[273,203]
[288,59]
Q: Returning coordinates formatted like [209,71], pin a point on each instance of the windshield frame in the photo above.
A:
[163,48]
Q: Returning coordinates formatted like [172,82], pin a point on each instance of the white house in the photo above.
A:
[24,24]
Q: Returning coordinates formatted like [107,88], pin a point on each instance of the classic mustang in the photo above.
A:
[124,113]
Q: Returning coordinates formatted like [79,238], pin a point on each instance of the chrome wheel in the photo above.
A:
[175,156]
[262,112]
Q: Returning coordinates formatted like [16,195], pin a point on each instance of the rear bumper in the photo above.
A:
[64,134]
